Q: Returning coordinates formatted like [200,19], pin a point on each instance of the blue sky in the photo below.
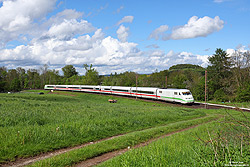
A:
[120,35]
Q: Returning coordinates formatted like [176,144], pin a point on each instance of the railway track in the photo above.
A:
[195,105]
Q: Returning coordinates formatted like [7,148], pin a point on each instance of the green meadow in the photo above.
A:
[31,124]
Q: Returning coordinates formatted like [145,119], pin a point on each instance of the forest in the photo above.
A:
[228,77]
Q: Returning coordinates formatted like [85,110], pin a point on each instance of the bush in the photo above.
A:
[220,95]
[243,94]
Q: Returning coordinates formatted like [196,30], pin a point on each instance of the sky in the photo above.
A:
[142,36]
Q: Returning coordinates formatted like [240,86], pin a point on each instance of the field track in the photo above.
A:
[92,161]
[107,156]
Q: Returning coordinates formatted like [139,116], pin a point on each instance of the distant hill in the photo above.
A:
[186,66]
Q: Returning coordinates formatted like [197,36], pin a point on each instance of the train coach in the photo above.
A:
[183,96]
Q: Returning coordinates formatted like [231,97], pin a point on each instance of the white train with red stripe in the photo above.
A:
[172,95]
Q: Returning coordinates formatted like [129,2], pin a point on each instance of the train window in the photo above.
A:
[140,91]
[97,89]
[50,86]
[175,93]
[106,89]
[120,90]
[179,93]
[87,88]
[186,93]
[160,91]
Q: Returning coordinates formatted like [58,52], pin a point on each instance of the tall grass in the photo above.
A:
[31,124]
[117,143]
[221,143]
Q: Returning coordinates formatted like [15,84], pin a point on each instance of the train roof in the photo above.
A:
[124,87]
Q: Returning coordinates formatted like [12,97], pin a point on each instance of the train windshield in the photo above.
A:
[186,93]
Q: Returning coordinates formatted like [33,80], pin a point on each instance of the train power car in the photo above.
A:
[183,96]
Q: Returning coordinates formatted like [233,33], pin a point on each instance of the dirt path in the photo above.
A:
[109,155]
[30,160]
[90,162]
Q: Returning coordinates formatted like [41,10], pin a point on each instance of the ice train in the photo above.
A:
[183,96]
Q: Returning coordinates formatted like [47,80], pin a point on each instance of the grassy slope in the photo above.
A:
[32,123]
[195,147]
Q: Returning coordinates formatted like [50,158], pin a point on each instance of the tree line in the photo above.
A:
[228,78]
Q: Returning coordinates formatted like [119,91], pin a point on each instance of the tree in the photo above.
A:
[13,80]
[241,67]
[69,71]
[43,70]
[3,83]
[219,71]
[53,77]
[180,81]
[22,75]
[91,75]
[34,79]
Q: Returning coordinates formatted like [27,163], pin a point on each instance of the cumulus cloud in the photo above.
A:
[122,33]
[157,33]
[196,27]
[69,28]
[107,54]
[19,16]
[126,19]
[97,49]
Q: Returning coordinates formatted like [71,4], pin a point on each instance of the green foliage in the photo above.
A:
[219,71]
[69,71]
[179,81]
[3,83]
[186,66]
[243,94]
[91,75]
[220,95]
[198,90]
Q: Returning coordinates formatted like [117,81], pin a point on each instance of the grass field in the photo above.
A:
[31,124]
[219,143]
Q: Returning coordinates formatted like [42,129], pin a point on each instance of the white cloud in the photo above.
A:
[122,33]
[69,28]
[67,14]
[196,27]
[19,16]
[126,19]
[157,33]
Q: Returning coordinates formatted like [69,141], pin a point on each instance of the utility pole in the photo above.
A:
[206,89]
[166,82]
[136,87]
